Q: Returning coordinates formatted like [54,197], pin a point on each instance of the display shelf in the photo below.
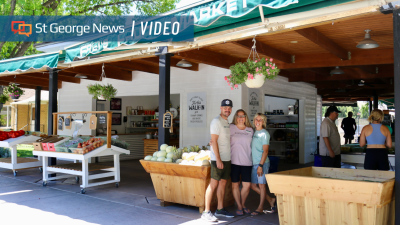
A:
[286,128]
[156,128]
[295,116]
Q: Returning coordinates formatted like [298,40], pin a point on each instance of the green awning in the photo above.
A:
[32,62]
[389,102]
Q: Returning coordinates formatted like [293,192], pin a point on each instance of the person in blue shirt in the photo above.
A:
[259,151]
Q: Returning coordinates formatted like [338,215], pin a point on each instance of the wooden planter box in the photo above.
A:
[316,195]
[183,184]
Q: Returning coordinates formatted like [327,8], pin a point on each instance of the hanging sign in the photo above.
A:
[102,119]
[93,122]
[167,120]
[68,123]
[254,102]
[60,123]
[197,109]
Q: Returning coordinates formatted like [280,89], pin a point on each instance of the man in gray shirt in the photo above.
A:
[329,146]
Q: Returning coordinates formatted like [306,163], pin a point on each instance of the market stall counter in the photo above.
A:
[355,155]
[18,163]
[315,195]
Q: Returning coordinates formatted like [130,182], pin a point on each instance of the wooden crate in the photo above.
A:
[183,184]
[151,145]
[316,195]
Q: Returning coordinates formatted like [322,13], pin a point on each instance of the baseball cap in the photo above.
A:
[226,102]
[333,109]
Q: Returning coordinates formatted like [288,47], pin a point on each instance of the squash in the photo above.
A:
[148,158]
[163,147]
[154,159]
[168,160]
[161,154]
[161,159]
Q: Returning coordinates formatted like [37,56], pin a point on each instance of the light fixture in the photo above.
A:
[15,81]
[184,63]
[361,83]
[337,70]
[80,76]
[367,43]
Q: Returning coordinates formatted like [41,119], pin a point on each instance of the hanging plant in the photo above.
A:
[99,91]
[4,98]
[254,72]
[14,91]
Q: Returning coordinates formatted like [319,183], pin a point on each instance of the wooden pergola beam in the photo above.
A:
[209,57]
[361,92]
[5,83]
[323,41]
[61,78]
[320,71]
[29,80]
[96,70]
[155,62]
[330,85]
[265,50]
[370,69]
[72,75]
[134,65]
[358,58]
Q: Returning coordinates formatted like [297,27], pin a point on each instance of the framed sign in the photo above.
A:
[167,120]
[115,104]
[60,123]
[197,109]
[68,123]
[116,119]
[102,119]
[254,102]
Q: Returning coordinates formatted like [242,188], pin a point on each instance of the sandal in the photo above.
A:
[256,213]
[246,210]
[272,210]
[239,212]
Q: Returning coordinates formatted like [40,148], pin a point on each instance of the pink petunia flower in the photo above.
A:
[273,67]
[231,88]
[271,59]
[257,69]
[266,64]
[236,85]
[230,76]
[255,61]
[226,78]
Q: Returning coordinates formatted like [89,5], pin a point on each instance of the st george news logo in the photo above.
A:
[21,28]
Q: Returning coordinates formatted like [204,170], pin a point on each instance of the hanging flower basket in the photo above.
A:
[13,91]
[254,72]
[4,98]
[102,92]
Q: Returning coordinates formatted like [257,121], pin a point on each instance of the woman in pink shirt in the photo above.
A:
[241,161]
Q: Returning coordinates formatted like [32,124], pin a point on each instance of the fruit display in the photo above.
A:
[89,145]
[192,155]
[4,135]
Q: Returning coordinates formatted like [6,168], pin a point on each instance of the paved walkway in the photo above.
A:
[23,200]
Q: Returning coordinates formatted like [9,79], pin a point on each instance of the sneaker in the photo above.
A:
[222,212]
[208,216]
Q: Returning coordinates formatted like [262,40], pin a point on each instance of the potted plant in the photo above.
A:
[252,72]
[14,91]
[4,98]
[102,92]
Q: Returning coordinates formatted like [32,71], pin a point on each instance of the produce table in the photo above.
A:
[316,195]
[183,184]
[83,169]
[15,163]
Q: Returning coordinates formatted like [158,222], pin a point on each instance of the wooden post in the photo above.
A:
[109,120]
[396,46]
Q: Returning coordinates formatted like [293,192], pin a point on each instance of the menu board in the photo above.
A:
[167,121]
[254,102]
[197,109]
[102,119]
[68,123]
[60,123]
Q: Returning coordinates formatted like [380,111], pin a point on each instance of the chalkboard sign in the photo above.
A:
[60,123]
[68,123]
[167,121]
[102,119]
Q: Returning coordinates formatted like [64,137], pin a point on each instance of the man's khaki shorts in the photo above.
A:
[218,174]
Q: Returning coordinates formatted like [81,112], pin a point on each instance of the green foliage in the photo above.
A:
[105,91]
[240,72]
[4,98]
[152,8]
[13,89]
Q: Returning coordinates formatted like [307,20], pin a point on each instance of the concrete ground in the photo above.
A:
[23,200]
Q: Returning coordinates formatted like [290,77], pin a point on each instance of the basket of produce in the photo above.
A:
[88,146]
[345,149]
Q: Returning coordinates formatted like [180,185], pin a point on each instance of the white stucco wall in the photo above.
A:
[209,79]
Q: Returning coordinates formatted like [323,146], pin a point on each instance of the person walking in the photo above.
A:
[259,151]
[241,137]
[329,147]
[377,138]
[220,162]
[349,127]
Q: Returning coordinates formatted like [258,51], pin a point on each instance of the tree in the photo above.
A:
[75,8]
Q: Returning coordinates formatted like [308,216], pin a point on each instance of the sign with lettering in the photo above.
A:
[197,109]
[93,122]
[68,123]
[102,119]
[254,102]
[167,120]
[60,123]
